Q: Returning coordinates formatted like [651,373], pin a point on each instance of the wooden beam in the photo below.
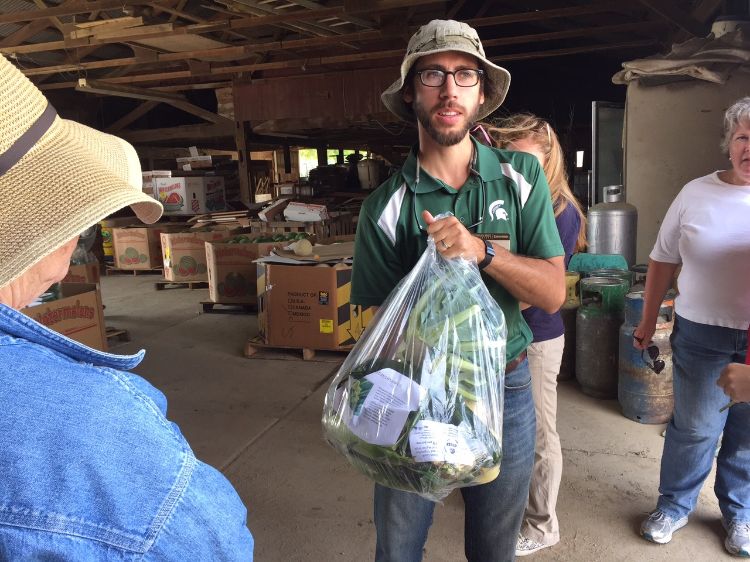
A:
[247,183]
[26,32]
[573,33]
[454,10]
[55,21]
[128,118]
[540,15]
[68,9]
[239,52]
[108,89]
[175,100]
[574,51]
[668,11]
[185,132]
[367,24]
[96,28]
[370,6]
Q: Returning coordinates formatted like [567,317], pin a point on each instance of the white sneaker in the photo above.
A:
[658,527]
[526,546]
[738,538]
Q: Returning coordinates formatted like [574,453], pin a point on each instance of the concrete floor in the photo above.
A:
[258,421]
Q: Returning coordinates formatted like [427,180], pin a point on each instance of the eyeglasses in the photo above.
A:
[472,170]
[656,365]
[464,77]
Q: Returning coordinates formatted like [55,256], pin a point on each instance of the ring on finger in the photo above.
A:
[445,246]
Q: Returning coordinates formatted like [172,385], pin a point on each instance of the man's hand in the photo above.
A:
[735,381]
[452,239]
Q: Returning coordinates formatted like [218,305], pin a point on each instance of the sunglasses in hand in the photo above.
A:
[656,365]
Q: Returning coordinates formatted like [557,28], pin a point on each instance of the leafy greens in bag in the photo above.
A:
[417,404]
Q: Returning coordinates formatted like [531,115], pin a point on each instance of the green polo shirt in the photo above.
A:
[515,201]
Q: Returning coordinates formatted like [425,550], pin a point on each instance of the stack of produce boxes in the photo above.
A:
[231,271]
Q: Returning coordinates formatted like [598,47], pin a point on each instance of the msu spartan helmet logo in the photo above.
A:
[497,212]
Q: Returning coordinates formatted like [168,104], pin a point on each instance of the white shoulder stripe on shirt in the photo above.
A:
[389,217]
[516,176]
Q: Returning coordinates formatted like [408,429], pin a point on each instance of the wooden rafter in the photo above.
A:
[372,6]
[195,132]
[53,19]
[247,50]
[24,33]
[131,116]
[67,9]
[239,52]
[175,100]
[675,16]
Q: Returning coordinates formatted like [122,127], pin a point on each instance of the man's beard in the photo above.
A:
[448,138]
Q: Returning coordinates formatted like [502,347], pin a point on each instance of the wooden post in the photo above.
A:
[247,190]
[287,158]
[322,156]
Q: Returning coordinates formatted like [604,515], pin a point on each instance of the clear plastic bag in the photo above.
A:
[418,403]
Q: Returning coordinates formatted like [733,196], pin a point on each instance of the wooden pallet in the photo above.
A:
[228,307]
[256,344]
[164,284]
[115,334]
[112,270]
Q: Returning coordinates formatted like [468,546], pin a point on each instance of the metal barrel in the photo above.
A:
[598,321]
[625,274]
[568,314]
[645,396]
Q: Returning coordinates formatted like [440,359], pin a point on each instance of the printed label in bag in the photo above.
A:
[379,405]
[432,441]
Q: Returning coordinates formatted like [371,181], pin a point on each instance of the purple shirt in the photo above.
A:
[549,326]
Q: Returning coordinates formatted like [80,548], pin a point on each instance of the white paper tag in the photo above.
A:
[380,416]
[432,441]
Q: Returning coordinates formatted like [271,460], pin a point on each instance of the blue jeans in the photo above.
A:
[493,511]
[699,353]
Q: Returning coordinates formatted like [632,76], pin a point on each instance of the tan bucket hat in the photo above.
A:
[439,36]
[57,177]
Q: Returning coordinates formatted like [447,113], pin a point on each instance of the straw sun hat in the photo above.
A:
[57,177]
[439,36]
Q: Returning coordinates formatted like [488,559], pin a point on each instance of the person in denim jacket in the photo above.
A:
[91,467]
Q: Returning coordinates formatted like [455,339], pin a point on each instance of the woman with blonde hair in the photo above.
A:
[528,133]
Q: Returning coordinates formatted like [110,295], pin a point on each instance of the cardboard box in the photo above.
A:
[136,247]
[305,212]
[184,254]
[107,225]
[191,195]
[305,306]
[231,271]
[84,273]
[78,315]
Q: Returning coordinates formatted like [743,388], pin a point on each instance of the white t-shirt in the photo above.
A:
[707,229]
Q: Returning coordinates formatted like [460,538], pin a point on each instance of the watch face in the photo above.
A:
[490,249]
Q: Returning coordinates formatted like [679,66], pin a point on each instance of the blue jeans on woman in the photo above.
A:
[493,511]
[699,353]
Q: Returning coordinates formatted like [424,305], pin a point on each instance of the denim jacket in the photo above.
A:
[90,467]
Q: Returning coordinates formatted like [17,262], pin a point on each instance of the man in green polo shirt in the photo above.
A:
[503,219]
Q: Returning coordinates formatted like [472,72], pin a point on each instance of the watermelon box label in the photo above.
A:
[190,195]
[184,254]
[136,248]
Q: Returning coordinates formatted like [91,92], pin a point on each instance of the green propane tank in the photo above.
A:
[598,322]
[568,314]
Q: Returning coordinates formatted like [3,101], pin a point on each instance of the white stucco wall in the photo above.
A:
[672,135]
